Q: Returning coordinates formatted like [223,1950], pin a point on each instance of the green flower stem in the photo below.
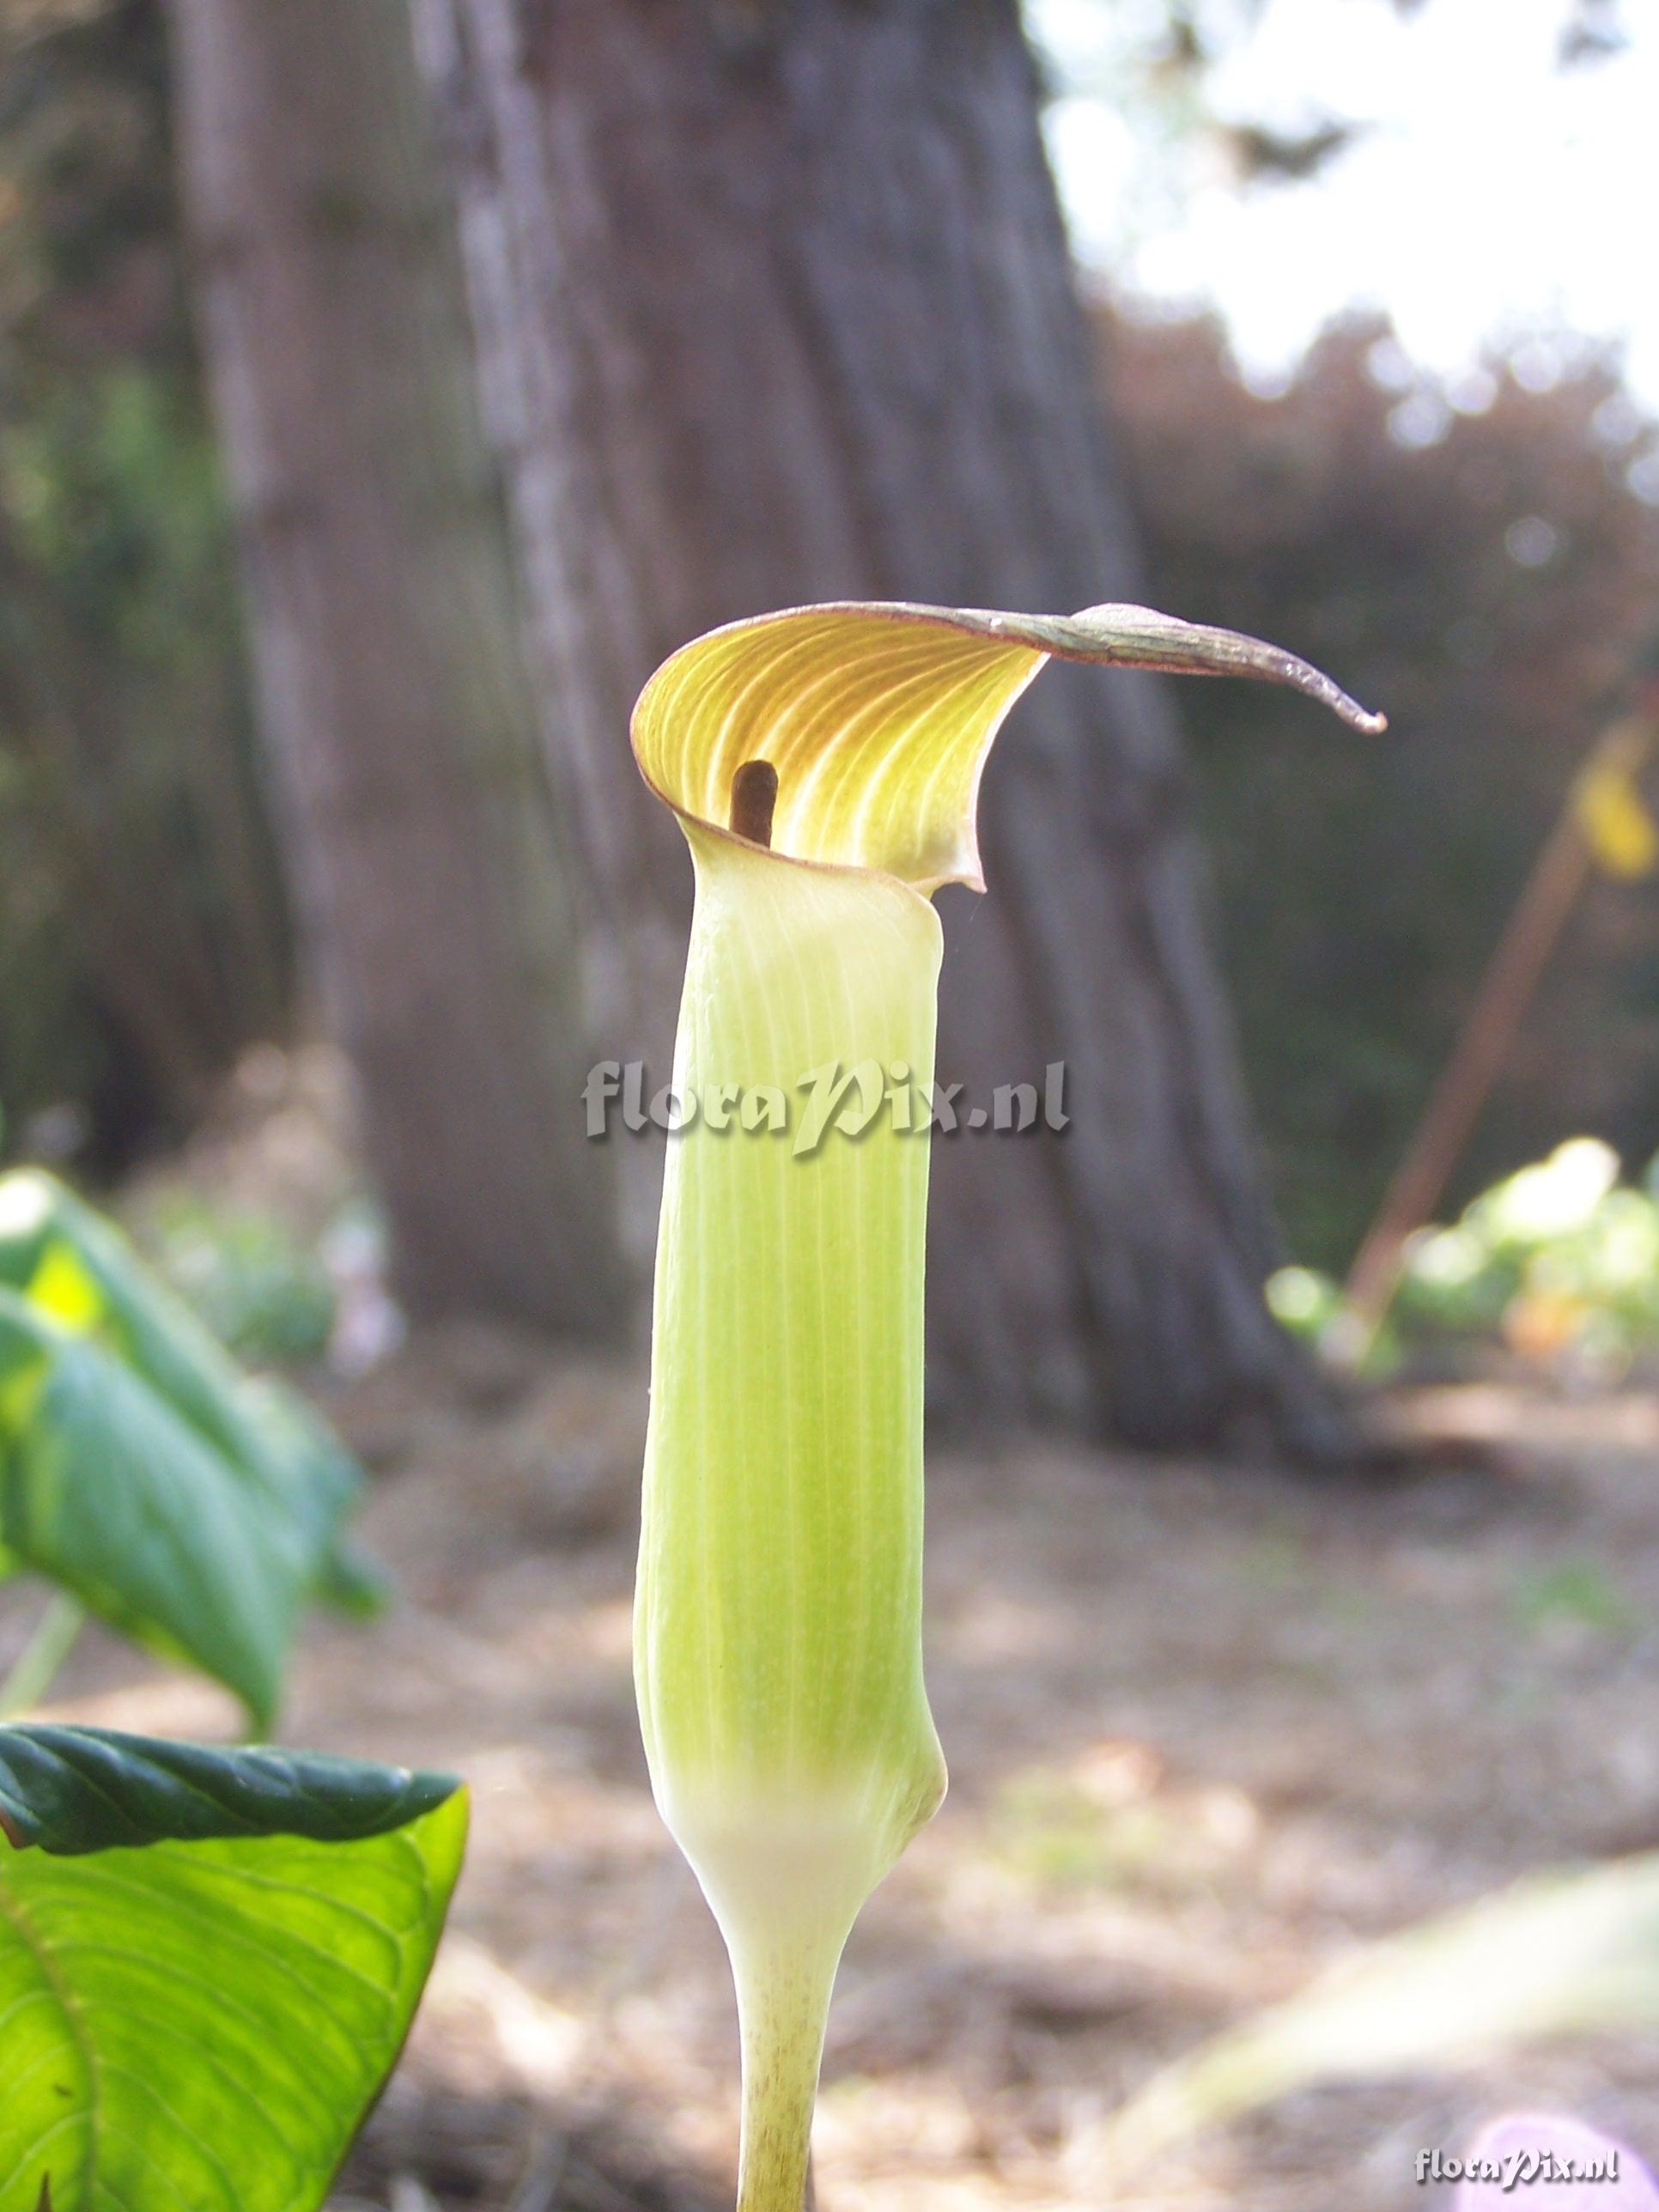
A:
[783,2000]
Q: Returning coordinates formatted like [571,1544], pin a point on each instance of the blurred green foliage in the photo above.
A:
[1482,562]
[1059,1835]
[1575,1594]
[1562,1257]
[193,1507]
[141,932]
[265,1294]
[1560,1262]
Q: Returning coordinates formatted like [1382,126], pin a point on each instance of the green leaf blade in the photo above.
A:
[106,1491]
[80,1274]
[191,1507]
[206,2022]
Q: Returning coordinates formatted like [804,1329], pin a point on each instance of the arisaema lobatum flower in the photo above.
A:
[824,765]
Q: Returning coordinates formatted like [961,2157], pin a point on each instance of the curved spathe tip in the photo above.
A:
[1135,637]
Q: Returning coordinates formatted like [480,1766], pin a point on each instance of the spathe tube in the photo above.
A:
[824,765]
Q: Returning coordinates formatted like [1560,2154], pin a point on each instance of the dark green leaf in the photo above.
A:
[68,1791]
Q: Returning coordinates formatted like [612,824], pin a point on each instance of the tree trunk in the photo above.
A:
[409,769]
[774,305]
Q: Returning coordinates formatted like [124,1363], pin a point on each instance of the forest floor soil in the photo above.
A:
[1210,1730]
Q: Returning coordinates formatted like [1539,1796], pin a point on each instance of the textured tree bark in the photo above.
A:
[774,305]
[414,794]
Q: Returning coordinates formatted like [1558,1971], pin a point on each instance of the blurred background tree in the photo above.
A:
[774,306]
[1477,554]
[420,830]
